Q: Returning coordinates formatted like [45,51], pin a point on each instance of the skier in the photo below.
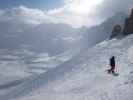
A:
[112,64]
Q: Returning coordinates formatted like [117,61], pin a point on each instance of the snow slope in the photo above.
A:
[84,77]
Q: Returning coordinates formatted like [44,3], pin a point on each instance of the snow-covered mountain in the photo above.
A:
[84,77]
[103,31]
[52,38]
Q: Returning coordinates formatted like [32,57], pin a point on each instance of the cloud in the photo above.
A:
[110,7]
[76,13]
[30,16]
[91,12]
[23,14]
[82,6]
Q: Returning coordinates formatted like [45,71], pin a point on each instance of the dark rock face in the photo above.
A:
[128,27]
[116,31]
[116,28]
[120,31]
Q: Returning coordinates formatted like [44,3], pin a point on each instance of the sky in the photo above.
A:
[76,13]
[42,4]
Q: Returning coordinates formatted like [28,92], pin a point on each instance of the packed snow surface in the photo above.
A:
[84,77]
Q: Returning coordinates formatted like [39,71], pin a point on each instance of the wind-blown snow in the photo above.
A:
[84,77]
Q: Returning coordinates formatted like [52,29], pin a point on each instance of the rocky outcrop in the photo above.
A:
[128,26]
[116,31]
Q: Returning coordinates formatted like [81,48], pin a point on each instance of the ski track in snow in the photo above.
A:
[84,77]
